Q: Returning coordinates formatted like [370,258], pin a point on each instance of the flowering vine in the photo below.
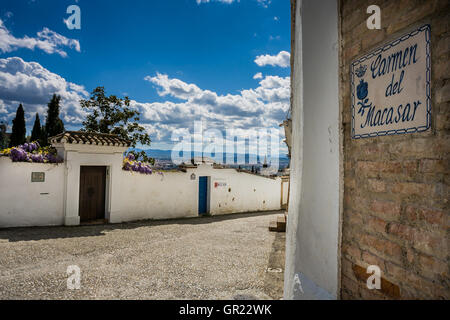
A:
[32,152]
[131,164]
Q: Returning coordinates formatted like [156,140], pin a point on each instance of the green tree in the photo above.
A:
[43,141]
[18,128]
[53,124]
[3,137]
[115,116]
[36,133]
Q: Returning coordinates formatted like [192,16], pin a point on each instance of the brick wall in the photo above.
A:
[396,188]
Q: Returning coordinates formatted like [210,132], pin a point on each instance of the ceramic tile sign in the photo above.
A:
[37,176]
[390,87]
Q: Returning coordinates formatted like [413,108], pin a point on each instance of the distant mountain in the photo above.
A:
[167,154]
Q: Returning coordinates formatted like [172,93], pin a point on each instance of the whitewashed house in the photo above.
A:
[90,184]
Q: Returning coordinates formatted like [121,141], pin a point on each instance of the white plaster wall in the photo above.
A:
[175,195]
[244,192]
[129,195]
[26,203]
[172,195]
[313,219]
[284,197]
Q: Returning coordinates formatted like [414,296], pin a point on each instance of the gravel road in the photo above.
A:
[220,257]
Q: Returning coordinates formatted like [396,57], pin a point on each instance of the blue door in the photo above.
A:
[202,195]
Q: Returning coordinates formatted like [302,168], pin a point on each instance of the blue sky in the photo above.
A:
[178,60]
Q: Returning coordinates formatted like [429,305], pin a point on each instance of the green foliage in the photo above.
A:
[3,138]
[110,114]
[53,124]
[141,156]
[18,128]
[36,133]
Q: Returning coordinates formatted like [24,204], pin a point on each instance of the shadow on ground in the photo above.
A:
[55,232]
[274,275]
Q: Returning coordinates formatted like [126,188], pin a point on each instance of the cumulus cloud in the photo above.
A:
[174,87]
[33,85]
[258,76]
[262,107]
[46,40]
[282,59]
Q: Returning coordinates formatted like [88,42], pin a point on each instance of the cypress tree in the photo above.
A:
[3,139]
[43,138]
[36,134]
[53,124]
[18,128]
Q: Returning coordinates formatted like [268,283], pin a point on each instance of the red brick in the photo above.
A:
[376,185]
[433,166]
[412,188]
[352,252]
[421,240]
[402,231]
[385,209]
[431,265]
[371,259]
[431,216]
[376,224]
[350,285]
[396,188]
[382,246]
[395,272]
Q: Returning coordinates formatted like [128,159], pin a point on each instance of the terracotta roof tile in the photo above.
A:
[90,138]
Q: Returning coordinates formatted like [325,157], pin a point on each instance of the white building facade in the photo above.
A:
[90,184]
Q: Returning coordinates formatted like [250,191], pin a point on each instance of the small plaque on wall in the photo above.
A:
[391,87]
[37,176]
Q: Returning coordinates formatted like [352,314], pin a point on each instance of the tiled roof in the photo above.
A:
[90,138]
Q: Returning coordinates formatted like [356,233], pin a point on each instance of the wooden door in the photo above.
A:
[92,192]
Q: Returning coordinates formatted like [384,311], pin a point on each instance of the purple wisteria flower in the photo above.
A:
[18,154]
[37,158]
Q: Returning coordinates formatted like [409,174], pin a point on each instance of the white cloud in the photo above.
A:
[282,59]
[46,40]
[174,87]
[264,3]
[258,76]
[33,85]
[262,107]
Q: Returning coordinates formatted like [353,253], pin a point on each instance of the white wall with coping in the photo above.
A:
[312,240]
[243,192]
[129,195]
[175,195]
[154,196]
[26,203]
